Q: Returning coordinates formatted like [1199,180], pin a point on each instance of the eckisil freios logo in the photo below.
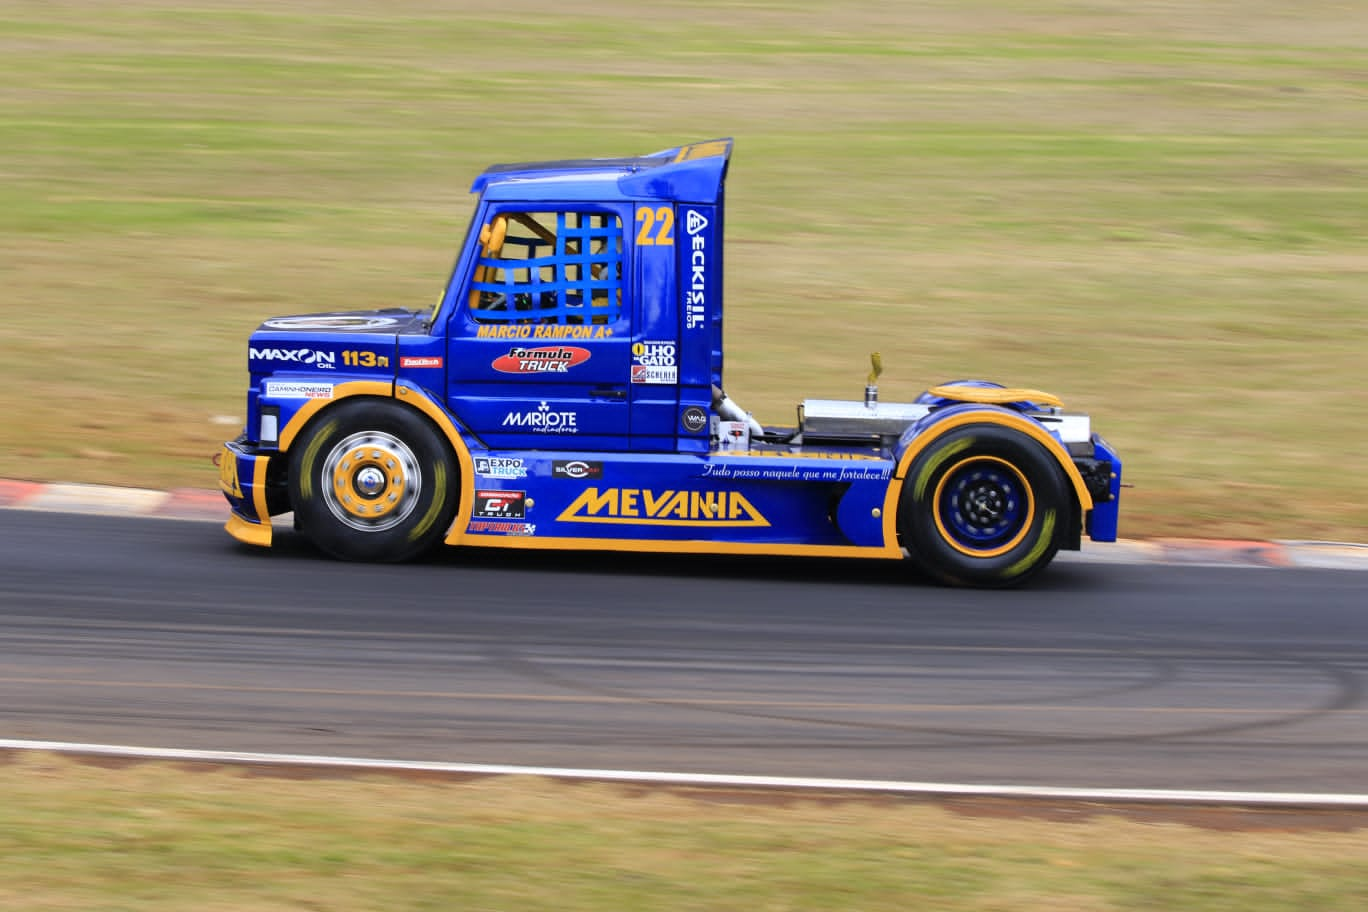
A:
[644,506]
[543,421]
[695,301]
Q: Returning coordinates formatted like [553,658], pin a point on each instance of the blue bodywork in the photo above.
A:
[577,385]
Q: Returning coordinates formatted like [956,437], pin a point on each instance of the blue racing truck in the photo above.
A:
[566,392]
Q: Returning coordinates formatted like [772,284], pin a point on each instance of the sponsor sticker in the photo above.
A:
[556,359]
[500,467]
[576,468]
[501,528]
[695,301]
[298,389]
[647,506]
[655,362]
[501,504]
[420,361]
[311,357]
[544,420]
[656,376]
[694,419]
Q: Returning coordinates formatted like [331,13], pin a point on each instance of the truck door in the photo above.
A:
[539,352]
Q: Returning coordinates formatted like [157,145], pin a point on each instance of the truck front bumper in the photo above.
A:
[242,478]
[1105,515]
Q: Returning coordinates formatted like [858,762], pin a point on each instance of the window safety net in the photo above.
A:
[562,267]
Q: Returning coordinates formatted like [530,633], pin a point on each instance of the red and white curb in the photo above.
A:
[198,504]
[179,503]
[649,777]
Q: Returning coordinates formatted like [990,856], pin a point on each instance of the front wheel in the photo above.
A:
[372,480]
[983,506]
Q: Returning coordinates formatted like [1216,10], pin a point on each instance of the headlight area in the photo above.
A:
[268,433]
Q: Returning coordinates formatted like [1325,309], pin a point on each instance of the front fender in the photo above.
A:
[413,397]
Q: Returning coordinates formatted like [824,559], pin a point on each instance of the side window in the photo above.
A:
[549,267]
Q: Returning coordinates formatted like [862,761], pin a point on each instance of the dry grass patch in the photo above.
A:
[156,836]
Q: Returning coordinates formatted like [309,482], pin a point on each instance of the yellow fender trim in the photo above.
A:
[244,530]
[1004,419]
[412,397]
[249,533]
[993,395]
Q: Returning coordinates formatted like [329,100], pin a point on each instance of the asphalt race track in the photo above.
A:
[169,634]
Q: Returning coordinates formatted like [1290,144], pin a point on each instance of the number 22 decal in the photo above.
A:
[657,227]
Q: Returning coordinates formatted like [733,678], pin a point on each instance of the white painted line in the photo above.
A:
[929,789]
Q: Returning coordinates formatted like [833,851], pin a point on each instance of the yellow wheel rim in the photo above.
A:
[373,481]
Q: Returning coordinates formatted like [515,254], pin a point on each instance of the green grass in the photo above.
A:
[1158,212]
[151,837]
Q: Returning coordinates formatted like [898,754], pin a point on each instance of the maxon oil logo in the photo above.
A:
[552,360]
[644,506]
[307,356]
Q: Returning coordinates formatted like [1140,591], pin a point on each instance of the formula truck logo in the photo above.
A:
[553,360]
[544,421]
[647,507]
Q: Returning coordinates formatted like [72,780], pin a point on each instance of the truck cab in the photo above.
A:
[566,392]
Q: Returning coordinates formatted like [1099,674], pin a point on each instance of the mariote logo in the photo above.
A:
[552,360]
[312,357]
[644,506]
[543,421]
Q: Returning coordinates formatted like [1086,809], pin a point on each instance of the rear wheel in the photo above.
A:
[372,480]
[983,506]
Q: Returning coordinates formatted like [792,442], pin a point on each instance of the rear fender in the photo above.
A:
[926,431]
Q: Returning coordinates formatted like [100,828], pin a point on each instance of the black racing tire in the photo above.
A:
[985,506]
[372,480]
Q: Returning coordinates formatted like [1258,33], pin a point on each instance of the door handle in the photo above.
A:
[607,392]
